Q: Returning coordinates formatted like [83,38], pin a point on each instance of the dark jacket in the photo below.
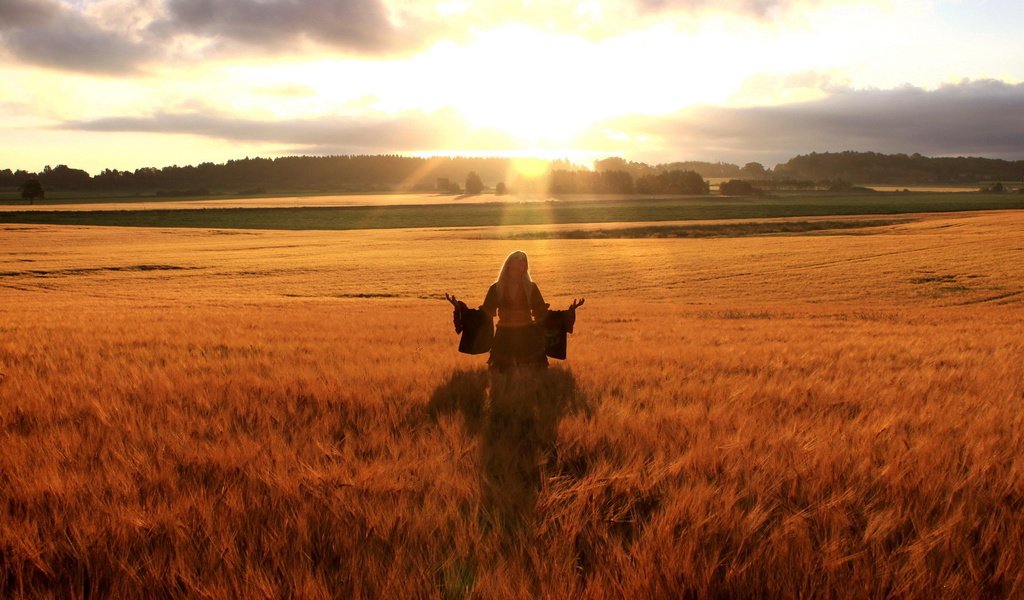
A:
[476,327]
[556,326]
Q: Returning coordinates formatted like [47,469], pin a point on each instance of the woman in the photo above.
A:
[519,338]
[517,302]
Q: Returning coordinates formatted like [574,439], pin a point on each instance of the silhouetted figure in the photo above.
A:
[526,332]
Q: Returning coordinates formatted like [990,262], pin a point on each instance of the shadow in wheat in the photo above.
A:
[516,416]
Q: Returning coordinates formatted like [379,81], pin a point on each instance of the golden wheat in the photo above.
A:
[283,414]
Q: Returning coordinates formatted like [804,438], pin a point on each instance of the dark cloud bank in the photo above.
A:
[21,13]
[360,25]
[333,135]
[982,118]
[50,34]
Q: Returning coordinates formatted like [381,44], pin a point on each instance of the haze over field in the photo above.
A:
[133,83]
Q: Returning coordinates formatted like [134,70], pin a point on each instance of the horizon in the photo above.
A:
[125,84]
[511,157]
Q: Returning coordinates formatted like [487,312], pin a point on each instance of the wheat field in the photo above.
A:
[254,414]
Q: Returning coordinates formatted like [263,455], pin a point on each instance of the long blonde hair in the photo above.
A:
[503,275]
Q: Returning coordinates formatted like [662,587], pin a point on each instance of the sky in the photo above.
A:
[125,84]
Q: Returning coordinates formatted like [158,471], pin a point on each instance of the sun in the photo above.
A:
[547,90]
[540,88]
[535,119]
[524,86]
[511,89]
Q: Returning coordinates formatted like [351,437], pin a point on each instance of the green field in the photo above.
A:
[537,213]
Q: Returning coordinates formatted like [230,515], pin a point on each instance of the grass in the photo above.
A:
[283,414]
[555,212]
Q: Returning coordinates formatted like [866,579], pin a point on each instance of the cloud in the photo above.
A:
[406,132]
[982,118]
[47,34]
[122,37]
[286,90]
[20,13]
[358,25]
[761,9]
[13,109]
[754,6]
[125,36]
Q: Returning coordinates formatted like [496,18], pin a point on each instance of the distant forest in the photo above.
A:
[818,169]
[257,175]
[403,173]
[872,167]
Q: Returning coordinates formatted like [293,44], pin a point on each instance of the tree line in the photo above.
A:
[719,170]
[369,173]
[360,173]
[873,167]
[674,181]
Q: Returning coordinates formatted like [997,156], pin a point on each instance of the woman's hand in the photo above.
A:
[577,303]
[457,313]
